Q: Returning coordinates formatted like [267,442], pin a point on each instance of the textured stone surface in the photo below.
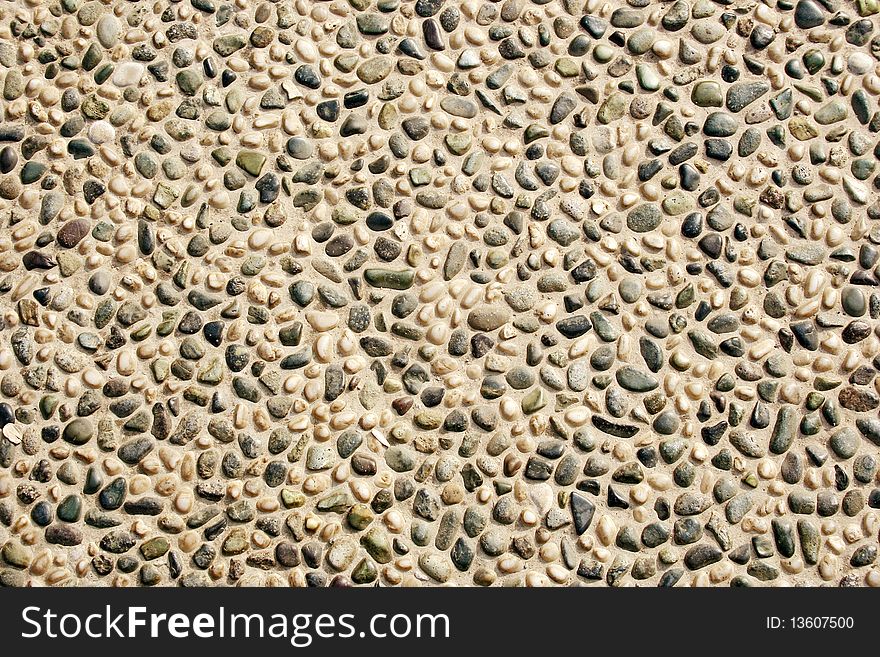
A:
[353,293]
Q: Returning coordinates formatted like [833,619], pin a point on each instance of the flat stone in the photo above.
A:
[488,318]
[644,218]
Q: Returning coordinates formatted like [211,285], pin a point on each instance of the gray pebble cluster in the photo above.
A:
[421,292]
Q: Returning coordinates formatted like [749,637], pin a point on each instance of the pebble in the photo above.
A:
[470,295]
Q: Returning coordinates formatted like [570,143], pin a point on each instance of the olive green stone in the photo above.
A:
[534,401]
[235,542]
[612,108]
[189,81]
[16,555]
[360,516]
[832,112]
[94,108]
[707,93]
[647,77]
[566,67]
[228,44]
[78,431]
[389,278]
[459,143]
[292,499]
[868,7]
[801,129]
[814,60]
[92,57]
[70,508]
[375,70]
[364,572]
[155,548]
[377,545]
[250,161]
[603,53]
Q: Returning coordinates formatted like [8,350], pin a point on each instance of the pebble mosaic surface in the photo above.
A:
[395,292]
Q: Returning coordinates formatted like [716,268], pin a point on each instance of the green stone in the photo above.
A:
[707,93]
[832,112]
[292,499]
[79,431]
[420,176]
[92,57]
[189,81]
[647,77]
[142,332]
[222,155]
[458,144]
[146,165]
[785,429]
[218,121]
[534,132]
[155,548]
[782,104]
[745,205]
[335,502]
[603,53]
[371,24]
[377,545]
[814,401]
[364,573]
[390,278]
[165,195]
[863,167]
[566,67]
[346,62]
[32,172]
[94,108]
[228,44]
[823,384]
[70,508]
[48,404]
[813,92]
[868,7]
[612,108]
[251,161]
[703,344]
[635,380]
[360,516]
[801,129]
[103,74]
[644,218]
[212,372]
[814,60]
[534,401]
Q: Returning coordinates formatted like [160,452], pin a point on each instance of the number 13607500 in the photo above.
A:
[810,623]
